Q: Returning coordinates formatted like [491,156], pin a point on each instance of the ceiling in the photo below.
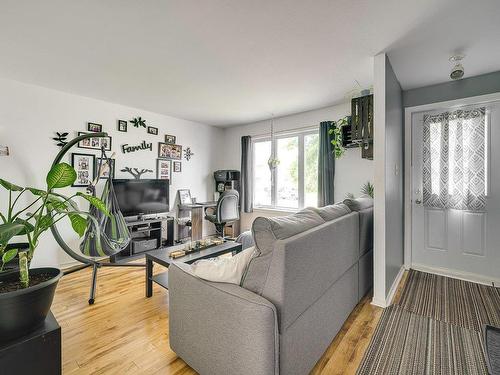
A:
[228,62]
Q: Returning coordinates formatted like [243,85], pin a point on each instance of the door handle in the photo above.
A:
[418,201]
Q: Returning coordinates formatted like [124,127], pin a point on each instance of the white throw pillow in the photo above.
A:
[223,270]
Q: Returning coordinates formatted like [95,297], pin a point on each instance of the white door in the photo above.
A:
[462,240]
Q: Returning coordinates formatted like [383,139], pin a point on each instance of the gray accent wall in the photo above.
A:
[464,88]
[394,162]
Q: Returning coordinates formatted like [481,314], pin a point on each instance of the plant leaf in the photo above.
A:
[27,226]
[9,255]
[78,222]
[96,202]
[10,186]
[60,175]
[37,192]
[9,230]
[45,223]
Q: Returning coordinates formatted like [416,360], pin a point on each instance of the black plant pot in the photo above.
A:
[22,311]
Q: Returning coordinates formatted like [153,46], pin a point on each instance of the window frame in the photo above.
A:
[300,134]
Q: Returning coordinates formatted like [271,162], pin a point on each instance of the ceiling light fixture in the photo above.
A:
[457,71]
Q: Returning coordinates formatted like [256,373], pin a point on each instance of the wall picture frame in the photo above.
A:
[95,143]
[177,166]
[94,127]
[152,130]
[170,139]
[184,196]
[164,169]
[106,174]
[169,151]
[122,126]
[84,165]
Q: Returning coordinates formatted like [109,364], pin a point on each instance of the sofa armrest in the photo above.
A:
[220,328]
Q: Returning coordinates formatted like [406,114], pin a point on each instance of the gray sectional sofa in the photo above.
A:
[312,269]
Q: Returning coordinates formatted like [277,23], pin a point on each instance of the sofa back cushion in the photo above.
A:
[333,211]
[360,203]
[266,231]
[364,206]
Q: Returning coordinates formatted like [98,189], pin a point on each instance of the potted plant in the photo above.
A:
[26,294]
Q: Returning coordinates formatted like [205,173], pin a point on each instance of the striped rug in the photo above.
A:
[435,328]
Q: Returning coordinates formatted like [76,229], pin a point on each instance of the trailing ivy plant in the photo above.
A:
[45,209]
[336,132]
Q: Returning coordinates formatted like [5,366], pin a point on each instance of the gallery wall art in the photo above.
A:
[169,151]
[84,165]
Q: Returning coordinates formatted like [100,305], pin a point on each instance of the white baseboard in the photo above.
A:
[392,291]
[461,275]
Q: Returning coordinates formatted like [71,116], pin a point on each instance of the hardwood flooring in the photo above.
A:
[125,333]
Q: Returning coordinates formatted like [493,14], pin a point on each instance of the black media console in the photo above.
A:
[146,235]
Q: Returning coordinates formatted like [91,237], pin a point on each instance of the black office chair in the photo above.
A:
[226,211]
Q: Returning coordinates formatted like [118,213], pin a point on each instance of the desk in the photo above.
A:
[197,212]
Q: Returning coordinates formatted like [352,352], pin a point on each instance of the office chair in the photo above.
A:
[226,211]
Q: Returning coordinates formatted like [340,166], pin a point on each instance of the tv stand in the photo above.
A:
[146,235]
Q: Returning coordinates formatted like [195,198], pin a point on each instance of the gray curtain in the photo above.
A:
[326,165]
[246,194]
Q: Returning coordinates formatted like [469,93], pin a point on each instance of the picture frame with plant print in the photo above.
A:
[84,165]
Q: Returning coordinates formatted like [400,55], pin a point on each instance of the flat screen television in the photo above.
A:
[142,197]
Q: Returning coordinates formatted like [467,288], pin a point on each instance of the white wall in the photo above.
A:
[351,171]
[29,116]
[388,157]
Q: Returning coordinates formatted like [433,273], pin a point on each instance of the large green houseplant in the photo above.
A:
[44,209]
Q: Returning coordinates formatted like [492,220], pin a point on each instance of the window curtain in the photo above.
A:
[246,194]
[454,160]
[326,165]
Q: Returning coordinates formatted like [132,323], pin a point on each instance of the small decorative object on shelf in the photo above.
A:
[93,127]
[170,139]
[177,166]
[61,139]
[122,126]
[152,130]
[84,165]
[185,196]
[188,153]
[177,254]
[169,151]
[136,172]
[138,121]
[4,151]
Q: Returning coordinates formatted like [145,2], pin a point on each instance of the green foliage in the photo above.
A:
[61,175]
[336,133]
[46,208]
[367,189]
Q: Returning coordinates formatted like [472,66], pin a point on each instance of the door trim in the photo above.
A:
[461,275]
[409,111]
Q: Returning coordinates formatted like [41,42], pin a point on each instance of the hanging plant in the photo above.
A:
[337,139]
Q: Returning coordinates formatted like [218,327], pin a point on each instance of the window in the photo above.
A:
[294,182]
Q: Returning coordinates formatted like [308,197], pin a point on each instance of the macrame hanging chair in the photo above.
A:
[106,235]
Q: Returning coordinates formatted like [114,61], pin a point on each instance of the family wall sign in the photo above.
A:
[126,148]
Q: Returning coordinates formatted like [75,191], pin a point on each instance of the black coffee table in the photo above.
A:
[162,257]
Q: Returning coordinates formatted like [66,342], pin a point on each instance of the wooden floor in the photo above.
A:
[125,333]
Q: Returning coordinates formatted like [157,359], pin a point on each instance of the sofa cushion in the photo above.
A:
[266,231]
[333,211]
[360,203]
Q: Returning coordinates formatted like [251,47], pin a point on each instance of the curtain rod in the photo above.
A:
[288,131]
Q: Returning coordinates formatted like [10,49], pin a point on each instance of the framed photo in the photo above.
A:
[177,166]
[84,165]
[93,127]
[152,130]
[163,169]
[170,139]
[185,196]
[110,169]
[95,143]
[168,151]
[122,126]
